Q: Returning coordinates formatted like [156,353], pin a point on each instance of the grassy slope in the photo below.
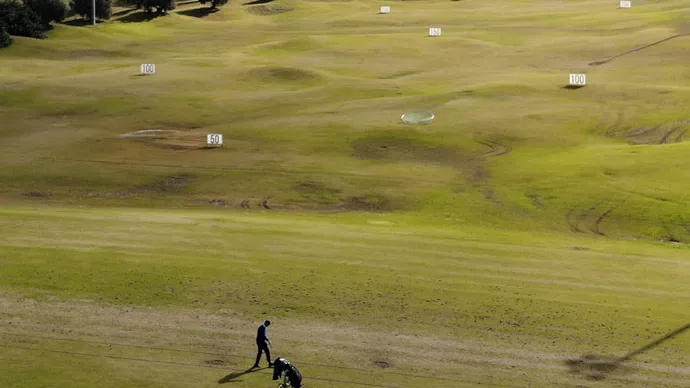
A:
[305,99]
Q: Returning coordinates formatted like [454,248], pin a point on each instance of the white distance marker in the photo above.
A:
[578,79]
[385,9]
[148,68]
[215,139]
[626,4]
[434,31]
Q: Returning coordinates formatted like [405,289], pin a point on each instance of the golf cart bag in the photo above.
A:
[291,375]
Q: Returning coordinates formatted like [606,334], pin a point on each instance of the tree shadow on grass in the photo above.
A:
[254,2]
[198,12]
[598,368]
[138,17]
[235,375]
[78,22]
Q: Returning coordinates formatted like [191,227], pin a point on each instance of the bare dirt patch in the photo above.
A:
[382,364]
[170,139]
[318,192]
[218,202]
[283,74]
[269,9]
[323,197]
[36,194]
[407,150]
[171,183]
[370,203]
[400,149]
[151,133]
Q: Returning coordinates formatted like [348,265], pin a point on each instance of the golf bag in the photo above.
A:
[282,366]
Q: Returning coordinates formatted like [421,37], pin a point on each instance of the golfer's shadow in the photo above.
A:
[235,375]
[598,368]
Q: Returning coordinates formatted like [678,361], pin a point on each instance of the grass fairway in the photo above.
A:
[456,309]
[527,225]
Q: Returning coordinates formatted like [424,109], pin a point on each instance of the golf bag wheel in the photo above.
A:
[285,383]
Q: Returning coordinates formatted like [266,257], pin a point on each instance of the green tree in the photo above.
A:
[48,10]
[20,20]
[82,8]
[161,6]
[5,38]
[214,3]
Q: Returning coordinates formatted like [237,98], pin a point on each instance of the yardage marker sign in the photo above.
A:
[148,68]
[385,9]
[578,79]
[215,139]
[434,31]
[626,4]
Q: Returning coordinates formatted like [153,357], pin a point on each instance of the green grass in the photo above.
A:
[355,269]
[299,94]
[513,173]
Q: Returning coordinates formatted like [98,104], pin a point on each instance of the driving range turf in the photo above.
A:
[532,235]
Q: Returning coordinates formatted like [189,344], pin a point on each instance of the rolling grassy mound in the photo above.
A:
[297,96]
[529,224]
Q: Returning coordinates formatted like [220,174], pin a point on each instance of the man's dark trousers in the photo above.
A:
[263,347]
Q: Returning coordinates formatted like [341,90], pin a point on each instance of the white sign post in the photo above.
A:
[434,31]
[385,9]
[626,4]
[578,79]
[214,139]
[148,68]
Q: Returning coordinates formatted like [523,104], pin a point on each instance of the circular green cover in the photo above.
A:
[417,117]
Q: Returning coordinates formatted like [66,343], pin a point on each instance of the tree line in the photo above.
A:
[32,18]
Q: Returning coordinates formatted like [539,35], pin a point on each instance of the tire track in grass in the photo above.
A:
[666,133]
[590,219]
[600,219]
[495,149]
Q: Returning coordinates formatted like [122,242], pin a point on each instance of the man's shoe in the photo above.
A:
[256,366]
[270,365]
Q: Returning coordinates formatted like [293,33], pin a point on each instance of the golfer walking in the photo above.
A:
[262,343]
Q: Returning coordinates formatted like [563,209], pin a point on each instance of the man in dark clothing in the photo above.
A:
[262,343]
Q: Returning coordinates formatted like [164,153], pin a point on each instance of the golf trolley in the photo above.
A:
[290,375]
[285,383]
